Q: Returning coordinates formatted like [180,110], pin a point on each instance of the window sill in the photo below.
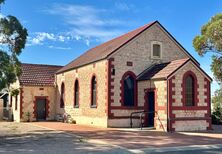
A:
[128,107]
[189,107]
[76,106]
[156,58]
[93,106]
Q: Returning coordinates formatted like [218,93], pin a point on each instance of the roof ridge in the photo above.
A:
[103,49]
[41,64]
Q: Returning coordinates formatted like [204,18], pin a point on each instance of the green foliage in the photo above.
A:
[13,39]
[8,69]
[210,40]
[217,107]
[28,115]
[14,34]
[2,1]
[14,92]
[216,67]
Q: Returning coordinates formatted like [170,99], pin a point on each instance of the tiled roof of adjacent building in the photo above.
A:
[38,74]
[162,71]
[102,51]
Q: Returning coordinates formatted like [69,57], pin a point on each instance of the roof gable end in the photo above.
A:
[108,48]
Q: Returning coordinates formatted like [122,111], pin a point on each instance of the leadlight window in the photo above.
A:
[189,91]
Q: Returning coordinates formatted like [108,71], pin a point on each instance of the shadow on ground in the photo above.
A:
[49,141]
[140,139]
[54,137]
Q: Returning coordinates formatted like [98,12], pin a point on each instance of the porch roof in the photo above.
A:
[161,71]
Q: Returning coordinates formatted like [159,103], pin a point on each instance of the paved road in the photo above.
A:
[21,138]
[25,138]
[210,151]
[197,149]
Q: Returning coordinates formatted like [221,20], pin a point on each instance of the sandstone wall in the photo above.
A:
[85,114]
[13,112]
[29,96]
[189,118]
[137,53]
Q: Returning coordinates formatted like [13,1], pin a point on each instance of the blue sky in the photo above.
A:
[60,31]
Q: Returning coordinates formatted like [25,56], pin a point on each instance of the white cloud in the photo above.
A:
[123,6]
[39,38]
[86,22]
[60,48]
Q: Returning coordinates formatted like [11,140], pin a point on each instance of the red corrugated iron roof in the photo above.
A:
[162,71]
[38,74]
[104,50]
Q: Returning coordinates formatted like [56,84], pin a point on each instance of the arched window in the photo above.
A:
[76,94]
[129,89]
[93,91]
[189,91]
[62,95]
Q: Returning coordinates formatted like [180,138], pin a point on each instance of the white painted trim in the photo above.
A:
[161,48]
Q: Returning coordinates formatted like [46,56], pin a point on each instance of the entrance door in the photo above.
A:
[151,108]
[41,109]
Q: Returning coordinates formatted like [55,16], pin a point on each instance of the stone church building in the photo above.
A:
[145,71]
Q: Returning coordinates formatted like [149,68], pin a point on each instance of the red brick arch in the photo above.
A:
[91,92]
[74,105]
[122,88]
[62,97]
[196,86]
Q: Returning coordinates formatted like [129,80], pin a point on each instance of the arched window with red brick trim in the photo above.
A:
[129,89]
[62,95]
[93,92]
[189,89]
[76,94]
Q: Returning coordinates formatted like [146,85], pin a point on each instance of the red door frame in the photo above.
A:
[35,106]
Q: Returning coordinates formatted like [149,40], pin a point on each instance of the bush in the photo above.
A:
[217,107]
[217,116]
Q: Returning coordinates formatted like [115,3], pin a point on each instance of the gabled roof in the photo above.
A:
[37,74]
[163,70]
[104,50]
